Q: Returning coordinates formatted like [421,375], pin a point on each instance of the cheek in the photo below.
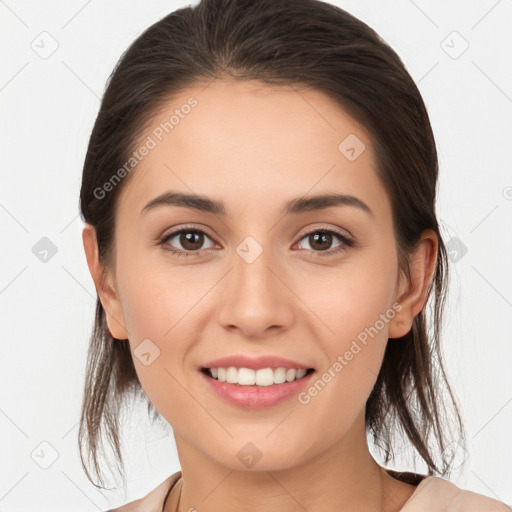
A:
[155,299]
[354,308]
[161,305]
[351,300]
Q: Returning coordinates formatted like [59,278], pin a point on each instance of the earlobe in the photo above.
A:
[413,298]
[104,287]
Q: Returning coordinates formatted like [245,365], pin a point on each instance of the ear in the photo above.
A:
[412,293]
[104,285]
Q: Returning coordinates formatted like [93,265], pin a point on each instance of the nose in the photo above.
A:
[257,300]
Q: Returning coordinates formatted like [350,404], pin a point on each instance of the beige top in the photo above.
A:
[432,494]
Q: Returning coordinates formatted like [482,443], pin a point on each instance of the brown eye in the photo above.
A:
[185,241]
[320,242]
[191,240]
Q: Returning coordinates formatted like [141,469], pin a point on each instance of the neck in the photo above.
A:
[343,477]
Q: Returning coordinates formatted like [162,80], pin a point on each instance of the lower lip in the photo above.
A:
[256,397]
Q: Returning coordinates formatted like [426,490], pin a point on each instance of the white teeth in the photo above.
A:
[300,373]
[261,377]
[264,376]
[279,375]
[246,377]
[231,375]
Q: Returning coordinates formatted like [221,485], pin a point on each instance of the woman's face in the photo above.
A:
[260,281]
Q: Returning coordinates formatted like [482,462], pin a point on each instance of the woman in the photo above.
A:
[259,197]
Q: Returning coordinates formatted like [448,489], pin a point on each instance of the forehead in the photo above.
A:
[250,144]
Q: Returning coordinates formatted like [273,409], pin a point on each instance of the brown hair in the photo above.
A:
[304,43]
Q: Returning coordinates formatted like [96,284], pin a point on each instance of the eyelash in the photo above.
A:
[347,242]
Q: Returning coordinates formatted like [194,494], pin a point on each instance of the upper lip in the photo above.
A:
[255,363]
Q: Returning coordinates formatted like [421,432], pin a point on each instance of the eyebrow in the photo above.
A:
[295,206]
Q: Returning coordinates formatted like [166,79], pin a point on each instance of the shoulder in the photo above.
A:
[434,493]
[154,500]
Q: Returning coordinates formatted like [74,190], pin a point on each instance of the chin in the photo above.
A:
[252,454]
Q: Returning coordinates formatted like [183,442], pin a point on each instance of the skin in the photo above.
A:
[254,148]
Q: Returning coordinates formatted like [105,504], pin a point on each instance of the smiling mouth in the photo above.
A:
[260,378]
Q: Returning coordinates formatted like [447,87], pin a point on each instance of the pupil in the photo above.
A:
[325,236]
[187,239]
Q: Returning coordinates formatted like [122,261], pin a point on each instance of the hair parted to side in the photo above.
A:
[304,43]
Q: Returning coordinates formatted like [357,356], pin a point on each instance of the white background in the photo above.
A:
[48,109]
